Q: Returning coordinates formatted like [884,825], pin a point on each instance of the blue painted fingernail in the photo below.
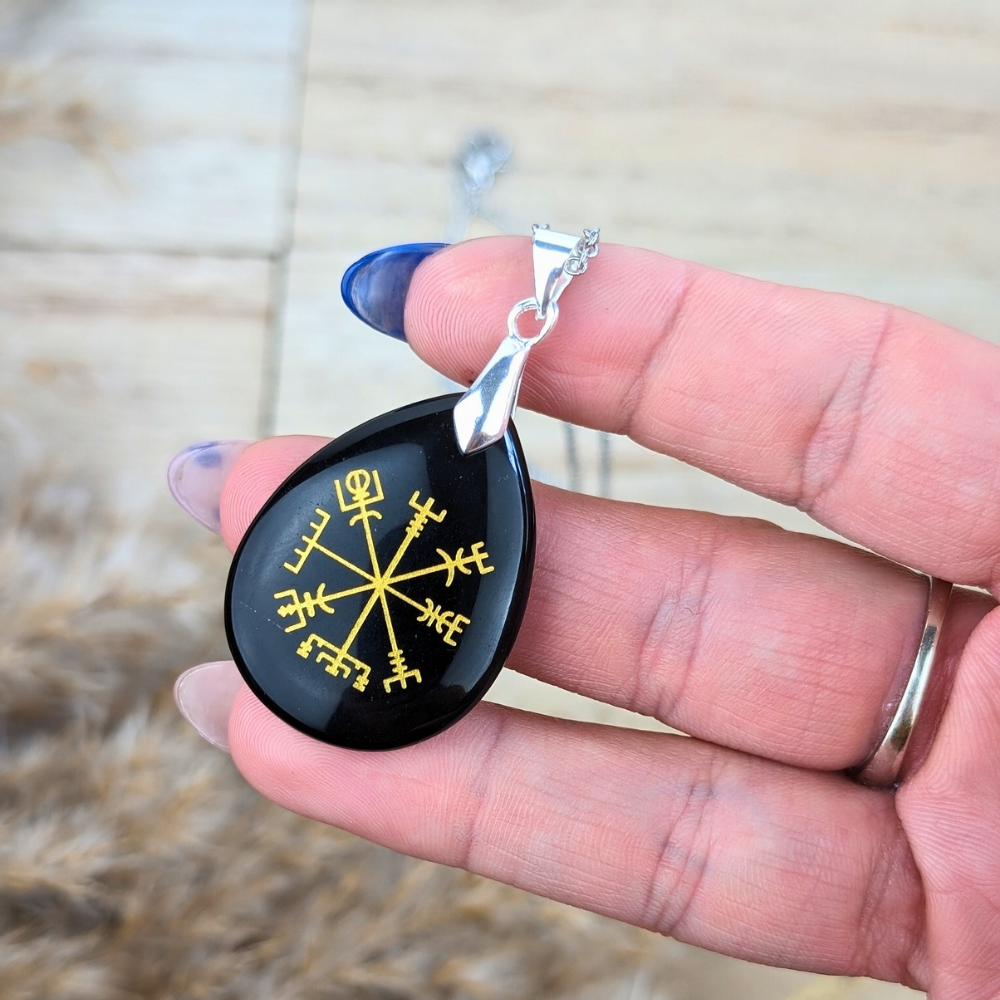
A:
[374,287]
[196,477]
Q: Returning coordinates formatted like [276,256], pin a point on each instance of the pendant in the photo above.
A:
[377,594]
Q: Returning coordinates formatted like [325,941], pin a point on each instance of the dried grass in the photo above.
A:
[136,862]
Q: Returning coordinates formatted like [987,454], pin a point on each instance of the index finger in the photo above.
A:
[880,423]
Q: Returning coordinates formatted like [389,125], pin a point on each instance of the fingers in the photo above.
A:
[783,645]
[725,851]
[880,423]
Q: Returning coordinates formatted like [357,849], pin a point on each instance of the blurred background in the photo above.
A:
[183,184]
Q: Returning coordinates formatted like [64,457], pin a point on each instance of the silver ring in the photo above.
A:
[882,768]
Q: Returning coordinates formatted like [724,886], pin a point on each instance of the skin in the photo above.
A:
[779,653]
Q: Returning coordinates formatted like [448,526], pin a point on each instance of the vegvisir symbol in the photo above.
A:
[363,489]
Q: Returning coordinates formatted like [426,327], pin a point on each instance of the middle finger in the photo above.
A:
[780,644]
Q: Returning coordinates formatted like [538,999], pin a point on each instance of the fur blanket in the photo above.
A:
[134,861]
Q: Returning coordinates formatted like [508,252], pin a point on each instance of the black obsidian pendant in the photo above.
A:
[378,593]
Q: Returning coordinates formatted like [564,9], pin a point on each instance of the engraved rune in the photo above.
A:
[340,664]
[399,672]
[447,622]
[357,484]
[305,605]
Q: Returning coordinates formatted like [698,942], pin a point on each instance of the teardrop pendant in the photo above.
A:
[377,594]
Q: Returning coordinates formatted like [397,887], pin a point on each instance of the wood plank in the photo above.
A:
[223,29]
[116,362]
[152,128]
[849,136]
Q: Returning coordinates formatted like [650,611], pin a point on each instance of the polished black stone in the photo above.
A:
[377,594]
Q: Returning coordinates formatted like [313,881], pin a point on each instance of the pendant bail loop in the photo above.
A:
[481,416]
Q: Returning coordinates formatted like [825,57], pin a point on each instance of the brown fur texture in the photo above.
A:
[135,862]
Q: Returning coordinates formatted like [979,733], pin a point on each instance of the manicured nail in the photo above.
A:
[374,287]
[205,696]
[196,477]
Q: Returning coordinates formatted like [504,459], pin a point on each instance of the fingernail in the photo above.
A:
[205,696]
[196,477]
[374,288]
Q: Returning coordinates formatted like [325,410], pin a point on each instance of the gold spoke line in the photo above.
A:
[388,621]
[329,553]
[400,552]
[403,597]
[371,546]
[417,572]
[349,593]
[380,584]
[361,620]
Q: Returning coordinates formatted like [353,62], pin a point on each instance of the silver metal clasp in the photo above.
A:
[483,413]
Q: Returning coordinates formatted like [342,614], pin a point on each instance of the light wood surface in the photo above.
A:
[182,185]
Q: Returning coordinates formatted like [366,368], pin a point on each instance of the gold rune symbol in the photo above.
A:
[338,665]
[476,557]
[357,483]
[305,605]
[423,513]
[399,672]
[357,494]
[447,622]
[310,540]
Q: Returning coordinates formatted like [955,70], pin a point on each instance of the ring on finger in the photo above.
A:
[883,767]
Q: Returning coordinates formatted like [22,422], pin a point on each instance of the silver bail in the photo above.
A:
[549,253]
[482,414]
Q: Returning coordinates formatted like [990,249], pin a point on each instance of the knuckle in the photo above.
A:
[681,862]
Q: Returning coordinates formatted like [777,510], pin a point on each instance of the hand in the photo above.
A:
[778,652]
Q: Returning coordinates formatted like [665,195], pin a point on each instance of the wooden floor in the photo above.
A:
[182,185]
